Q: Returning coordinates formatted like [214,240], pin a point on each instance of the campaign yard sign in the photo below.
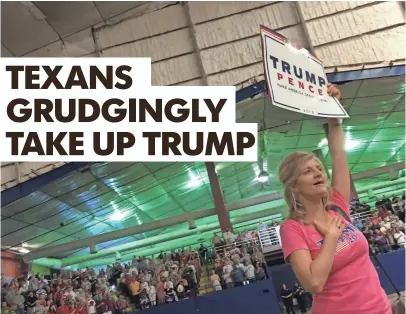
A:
[295,79]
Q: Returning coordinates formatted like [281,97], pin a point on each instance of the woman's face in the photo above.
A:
[283,286]
[312,181]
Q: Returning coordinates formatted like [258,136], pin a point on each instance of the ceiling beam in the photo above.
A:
[156,224]
[378,171]
[335,78]
[23,189]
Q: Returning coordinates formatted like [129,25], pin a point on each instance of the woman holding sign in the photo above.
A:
[329,256]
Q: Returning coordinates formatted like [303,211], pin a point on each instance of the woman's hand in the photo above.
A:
[333,228]
[333,91]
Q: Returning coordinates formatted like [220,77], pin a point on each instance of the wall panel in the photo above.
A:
[202,11]
[244,52]
[237,76]
[196,82]
[367,48]
[158,47]
[246,24]
[5,52]
[314,9]
[147,25]
[354,22]
[175,70]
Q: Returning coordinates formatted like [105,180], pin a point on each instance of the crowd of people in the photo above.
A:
[233,260]
[297,293]
[240,264]
[384,230]
[143,283]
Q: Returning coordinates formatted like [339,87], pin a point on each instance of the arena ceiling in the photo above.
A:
[111,196]
[42,23]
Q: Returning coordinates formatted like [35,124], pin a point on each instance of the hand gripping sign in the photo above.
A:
[295,79]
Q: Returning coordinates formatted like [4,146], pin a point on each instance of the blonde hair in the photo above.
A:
[289,172]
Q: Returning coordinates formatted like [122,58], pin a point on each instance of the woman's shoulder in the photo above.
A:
[292,231]
[289,224]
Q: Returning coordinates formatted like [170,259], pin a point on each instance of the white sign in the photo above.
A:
[295,79]
[105,109]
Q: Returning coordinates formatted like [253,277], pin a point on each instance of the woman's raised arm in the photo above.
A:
[336,142]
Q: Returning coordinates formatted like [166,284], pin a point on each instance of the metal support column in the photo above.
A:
[353,191]
[192,31]
[222,213]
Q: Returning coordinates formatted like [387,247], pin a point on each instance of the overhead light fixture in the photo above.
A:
[263,176]
[351,144]
[23,250]
[322,143]
[117,215]
[194,181]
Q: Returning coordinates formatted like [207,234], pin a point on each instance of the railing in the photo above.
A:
[363,215]
[269,237]
[224,250]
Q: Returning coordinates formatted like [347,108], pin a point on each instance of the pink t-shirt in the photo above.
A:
[353,285]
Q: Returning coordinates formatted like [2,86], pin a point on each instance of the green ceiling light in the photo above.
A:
[322,143]
[117,215]
[351,144]
[194,181]
[263,176]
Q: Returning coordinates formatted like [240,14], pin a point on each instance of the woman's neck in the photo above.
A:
[315,210]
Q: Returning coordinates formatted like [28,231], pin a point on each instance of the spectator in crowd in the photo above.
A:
[216,240]
[215,280]
[259,272]
[31,302]
[203,254]
[262,226]
[381,241]
[299,294]
[287,299]
[228,236]
[249,271]
[265,236]
[378,202]
[227,269]
[357,223]
[399,237]
[238,276]
[274,223]
[386,202]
